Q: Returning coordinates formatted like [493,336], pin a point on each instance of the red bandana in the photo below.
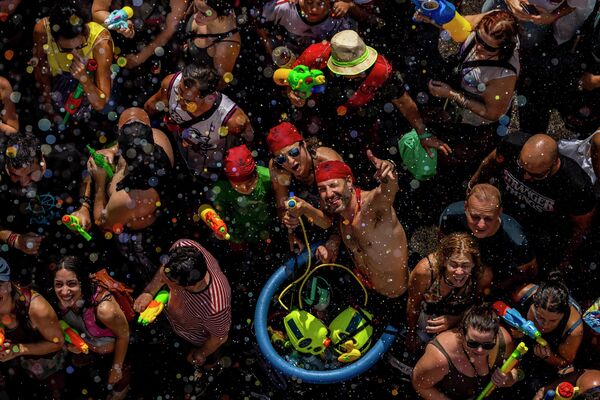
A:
[332,170]
[283,135]
[238,164]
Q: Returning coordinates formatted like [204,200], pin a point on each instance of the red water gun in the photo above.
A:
[72,336]
[74,101]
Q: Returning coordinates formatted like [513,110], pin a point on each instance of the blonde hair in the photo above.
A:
[456,243]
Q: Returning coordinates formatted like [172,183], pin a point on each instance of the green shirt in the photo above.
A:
[250,218]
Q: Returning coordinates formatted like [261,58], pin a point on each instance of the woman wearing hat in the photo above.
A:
[31,332]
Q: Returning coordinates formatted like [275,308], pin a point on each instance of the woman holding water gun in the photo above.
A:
[93,312]
[31,334]
[66,47]
[558,319]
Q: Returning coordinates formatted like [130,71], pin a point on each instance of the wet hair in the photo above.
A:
[502,26]
[22,150]
[74,265]
[486,192]
[480,317]
[205,79]
[553,295]
[456,243]
[186,266]
[68,20]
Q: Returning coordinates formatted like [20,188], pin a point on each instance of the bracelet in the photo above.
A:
[460,99]
[425,135]
[117,367]
[12,239]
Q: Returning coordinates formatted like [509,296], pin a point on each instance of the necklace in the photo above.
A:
[470,362]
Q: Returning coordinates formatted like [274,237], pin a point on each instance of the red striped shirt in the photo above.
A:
[203,314]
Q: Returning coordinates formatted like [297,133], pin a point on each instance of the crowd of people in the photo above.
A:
[123,122]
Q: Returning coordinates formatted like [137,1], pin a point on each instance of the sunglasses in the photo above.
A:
[282,158]
[539,176]
[483,44]
[473,344]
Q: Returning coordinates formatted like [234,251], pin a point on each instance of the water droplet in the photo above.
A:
[502,130]
[159,51]
[15,97]
[44,124]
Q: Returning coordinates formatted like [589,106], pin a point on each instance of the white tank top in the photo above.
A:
[203,144]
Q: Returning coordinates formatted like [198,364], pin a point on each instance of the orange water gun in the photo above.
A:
[73,337]
[214,221]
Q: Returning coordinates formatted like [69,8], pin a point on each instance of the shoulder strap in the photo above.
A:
[501,351]
[439,346]
[530,292]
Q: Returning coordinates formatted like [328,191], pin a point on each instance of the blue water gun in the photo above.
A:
[516,320]
[444,14]
[118,18]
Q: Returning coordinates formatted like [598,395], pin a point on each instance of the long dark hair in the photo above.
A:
[88,287]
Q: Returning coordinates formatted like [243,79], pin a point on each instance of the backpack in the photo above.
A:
[120,291]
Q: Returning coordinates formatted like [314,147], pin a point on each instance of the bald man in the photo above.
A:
[549,194]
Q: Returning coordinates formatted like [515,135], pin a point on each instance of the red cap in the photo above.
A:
[332,170]
[238,164]
[283,135]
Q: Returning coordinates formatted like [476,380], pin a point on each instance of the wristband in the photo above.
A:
[425,135]
[12,239]
[117,367]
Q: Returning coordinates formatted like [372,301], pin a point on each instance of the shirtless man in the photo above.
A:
[128,202]
[368,224]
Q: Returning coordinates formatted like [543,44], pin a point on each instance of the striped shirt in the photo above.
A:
[203,314]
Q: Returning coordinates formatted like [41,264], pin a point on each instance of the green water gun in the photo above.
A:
[73,223]
[301,79]
[101,161]
[508,366]
[154,309]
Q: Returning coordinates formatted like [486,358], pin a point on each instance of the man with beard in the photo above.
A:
[36,189]
[367,224]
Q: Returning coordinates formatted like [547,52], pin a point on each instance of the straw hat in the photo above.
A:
[349,54]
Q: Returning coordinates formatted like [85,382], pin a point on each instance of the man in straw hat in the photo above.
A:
[378,87]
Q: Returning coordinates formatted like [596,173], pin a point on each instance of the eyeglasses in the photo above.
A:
[473,344]
[483,44]
[282,158]
[538,176]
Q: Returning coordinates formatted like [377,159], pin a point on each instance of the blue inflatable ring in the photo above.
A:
[261,313]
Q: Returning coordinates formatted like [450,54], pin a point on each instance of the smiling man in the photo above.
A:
[368,223]
[502,241]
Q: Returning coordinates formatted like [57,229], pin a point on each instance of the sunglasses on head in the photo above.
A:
[473,344]
[483,44]
[282,158]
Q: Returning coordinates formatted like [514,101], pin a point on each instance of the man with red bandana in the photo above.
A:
[367,224]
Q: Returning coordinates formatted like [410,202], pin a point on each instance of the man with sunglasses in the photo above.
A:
[457,364]
[205,122]
[549,194]
[199,306]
